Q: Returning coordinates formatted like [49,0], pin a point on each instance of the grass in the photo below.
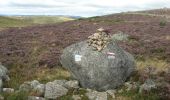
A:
[22,21]
[20,73]
[135,95]
[160,65]
[12,22]
[15,96]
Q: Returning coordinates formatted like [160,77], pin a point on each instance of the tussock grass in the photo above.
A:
[160,65]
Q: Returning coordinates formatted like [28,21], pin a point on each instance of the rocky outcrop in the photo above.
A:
[99,70]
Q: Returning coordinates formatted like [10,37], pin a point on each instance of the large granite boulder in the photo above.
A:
[99,70]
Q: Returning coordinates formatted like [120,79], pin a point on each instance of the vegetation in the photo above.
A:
[147,42]
[22,21]
[162,23]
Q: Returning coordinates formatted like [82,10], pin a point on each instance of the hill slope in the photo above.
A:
[148,37]
[22,21]
[26,50]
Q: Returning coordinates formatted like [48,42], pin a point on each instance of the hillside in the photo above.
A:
[22,21]
[37,47]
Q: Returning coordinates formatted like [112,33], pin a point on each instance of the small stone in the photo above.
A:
[60,82]
[1,83]
[8,90]
[128,85]
[3,73]
[35,98]
[71,84]
[76,97]
[1,97]
[53,90]
[100,29]
[147,86]
[28,86]
[39,89]
[94,95]
[111,93]
[120,91]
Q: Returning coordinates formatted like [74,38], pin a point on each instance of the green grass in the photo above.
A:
[22,21]
[6,22]
[135,95]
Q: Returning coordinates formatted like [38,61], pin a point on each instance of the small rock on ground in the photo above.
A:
[8,90]
[72,84]
[76,97]
[94,95]
[35,98]
[53,90]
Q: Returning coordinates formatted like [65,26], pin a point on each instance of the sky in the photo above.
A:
[84,8]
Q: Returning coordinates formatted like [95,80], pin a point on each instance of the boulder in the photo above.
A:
[53,90]
[3,76]
[98,70]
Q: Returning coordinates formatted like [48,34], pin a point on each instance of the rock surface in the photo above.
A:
[35,98]
[96,70]
[147,86]
[28,86]
[3,76]
[3,73]
[39,90]
[76,97]
[71,84]
[53,90]
[95,95]
[8,90]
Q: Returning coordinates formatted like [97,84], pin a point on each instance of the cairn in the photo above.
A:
[99,40]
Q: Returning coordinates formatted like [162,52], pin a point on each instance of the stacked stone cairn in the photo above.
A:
[99,40]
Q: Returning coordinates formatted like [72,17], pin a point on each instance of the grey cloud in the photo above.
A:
[13,4]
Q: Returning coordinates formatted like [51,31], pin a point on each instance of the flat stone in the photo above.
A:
[111,93]
[35,98]
[60,82]
[8,90]
[94,95]
[76,97]
[53,90]
[28,86]
[71,84]
[39,89]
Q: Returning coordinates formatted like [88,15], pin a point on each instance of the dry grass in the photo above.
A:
[160,65]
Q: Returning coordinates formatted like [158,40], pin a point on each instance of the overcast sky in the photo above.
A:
[84,8]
